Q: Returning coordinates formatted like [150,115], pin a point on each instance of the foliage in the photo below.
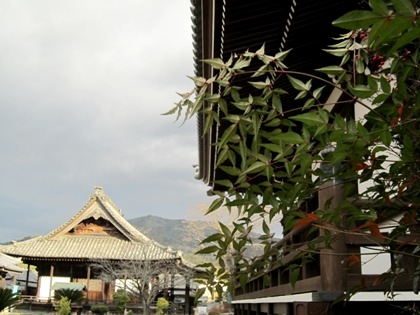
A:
[161,304]
[64,307]
[74,296]
[7,299]
[99,309]
[279,145]
[121,299]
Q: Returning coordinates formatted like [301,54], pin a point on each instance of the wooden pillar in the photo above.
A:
[87,283]
[187,306]
[332,268]
[172,286]
[27,279]
[51,280]
[3,280]
[165,284]
[329,196]
[71,273]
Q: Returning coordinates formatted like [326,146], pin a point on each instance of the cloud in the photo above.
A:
[83,85]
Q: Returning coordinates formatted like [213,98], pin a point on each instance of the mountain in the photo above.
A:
[184,235]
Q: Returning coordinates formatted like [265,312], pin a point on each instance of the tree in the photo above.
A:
[143,280]
[275,161]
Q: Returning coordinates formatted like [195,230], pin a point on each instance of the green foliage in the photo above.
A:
[63,306]
[277,157]
[7,299]
[74,296]
[99,309]
[121,299]
[161,304]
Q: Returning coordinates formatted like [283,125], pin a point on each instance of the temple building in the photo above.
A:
[96,233]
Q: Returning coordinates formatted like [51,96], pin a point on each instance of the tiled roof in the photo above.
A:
[124,243]
[9,264]
[81,247]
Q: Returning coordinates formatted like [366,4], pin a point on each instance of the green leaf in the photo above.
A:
[385,85]
[289,137]
[337,52]
[297,84]
[199,81]
[224,182]
[405,39]
[357,19]
[226,231]
[216,63]
[273,147]
[227,135]
[207,250]
[212,238]
[331,70]
[259,85]
[294,276]
[301,94]
[241,63]
[379,7]
[361,91]
[255,167]
[310,118]
[391,29]
[317,93]
[230,170]
[216,204]
[404,7]
[380,98]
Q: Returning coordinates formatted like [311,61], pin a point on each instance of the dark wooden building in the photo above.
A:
[223,28]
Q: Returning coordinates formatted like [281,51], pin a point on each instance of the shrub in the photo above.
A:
[99,309]
[120,299]
[161,304]
[7,299]
[64,307]
[74,296]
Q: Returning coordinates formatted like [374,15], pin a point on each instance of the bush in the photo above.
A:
[161,304]
[120,299]
[7,299]
[74,296]
[99,309]
[64,307]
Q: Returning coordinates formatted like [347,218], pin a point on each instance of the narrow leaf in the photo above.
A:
[357,19]
[297,84]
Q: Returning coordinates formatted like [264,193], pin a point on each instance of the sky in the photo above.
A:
[83,85]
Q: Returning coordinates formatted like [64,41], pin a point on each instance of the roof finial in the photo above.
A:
[98,192]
